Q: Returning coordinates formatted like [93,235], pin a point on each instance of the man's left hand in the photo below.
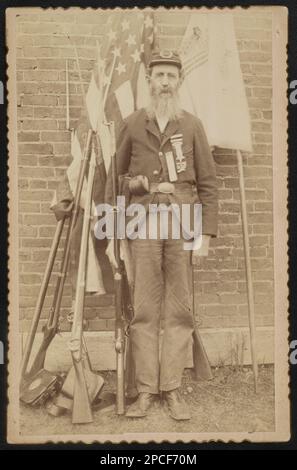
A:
[202,250]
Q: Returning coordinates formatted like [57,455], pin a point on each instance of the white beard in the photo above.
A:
[166,106]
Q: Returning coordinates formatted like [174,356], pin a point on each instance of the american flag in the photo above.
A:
[117,88]
[194,48]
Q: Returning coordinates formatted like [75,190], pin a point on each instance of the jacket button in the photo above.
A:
[160,179]
[160,154]
[155,172]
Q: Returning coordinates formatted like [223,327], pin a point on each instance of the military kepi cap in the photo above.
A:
[165,56]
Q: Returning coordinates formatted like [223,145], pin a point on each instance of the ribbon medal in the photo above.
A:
[177,142]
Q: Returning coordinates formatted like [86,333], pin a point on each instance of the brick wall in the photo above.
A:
[44,153]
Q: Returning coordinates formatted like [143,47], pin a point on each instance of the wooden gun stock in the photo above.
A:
[82,412]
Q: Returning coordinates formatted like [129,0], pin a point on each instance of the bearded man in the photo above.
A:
[167,147]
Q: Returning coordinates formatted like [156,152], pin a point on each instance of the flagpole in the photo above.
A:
[250,290]
[109,82]
[67,98]
[79,73]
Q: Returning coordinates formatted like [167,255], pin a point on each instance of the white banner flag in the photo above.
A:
[213,88]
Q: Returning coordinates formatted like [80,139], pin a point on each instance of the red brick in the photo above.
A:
[35,195]
[28,160]
[39,51]
[25,112]
[219,310]
[48,231]
[57,136]
[110,324]
[28,136]
[55,88]
[46,112]
[24,40]
[27,231]
[263,286]
[35,148]
[230,286]
[263,137]
[30,279]
[51,64]
[258,252]
[235,275]
[266,275]
[23,184]
[26,64]
[37,219]
[262,103]
[255,194]
[34,268]
[263,228]
[106,313]
[97,325]
[257,34]
[40,124]
[228,218]
[63,161]
[29,207]
[40,100]
[41,75]
[41,28]
[38,184]
[234,229]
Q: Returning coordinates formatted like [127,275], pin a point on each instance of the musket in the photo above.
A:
[82,412]
[118,285]
[50,328]
[40,300]
[201,364]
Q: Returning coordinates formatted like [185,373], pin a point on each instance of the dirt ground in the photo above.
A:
[225,404]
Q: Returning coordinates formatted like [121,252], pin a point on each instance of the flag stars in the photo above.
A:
[116,52]
[148,22]
[131,40]
[121,68]
[125,25]
[136,56]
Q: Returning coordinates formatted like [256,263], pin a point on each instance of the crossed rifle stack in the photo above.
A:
[81,387]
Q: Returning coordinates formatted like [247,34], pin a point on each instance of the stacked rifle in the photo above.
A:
[81,386]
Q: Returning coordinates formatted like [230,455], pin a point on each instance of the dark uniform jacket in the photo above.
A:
[141,150]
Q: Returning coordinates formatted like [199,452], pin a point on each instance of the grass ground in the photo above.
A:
[228,403]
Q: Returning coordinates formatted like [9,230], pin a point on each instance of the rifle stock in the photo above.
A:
[82,412]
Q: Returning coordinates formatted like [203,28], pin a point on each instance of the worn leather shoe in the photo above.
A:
[140,408]
[178,409]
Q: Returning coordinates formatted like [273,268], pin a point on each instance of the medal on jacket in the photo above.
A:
[177,142]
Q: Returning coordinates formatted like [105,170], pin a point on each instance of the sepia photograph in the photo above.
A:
[147,225]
